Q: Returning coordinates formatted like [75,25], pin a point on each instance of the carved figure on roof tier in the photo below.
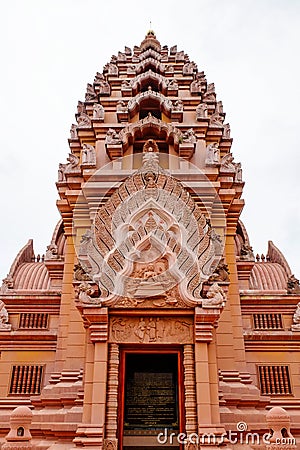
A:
[169,69]
[112,137]
[61,172]
[189,68]
[238,173]
[90,93]
[73,163]
[98,111]
[227,164]
[104,88]
[51,252]
[4,325]
[189,136]
[121,106]
[196,87]
[296,319]
[8,283]
[212,154]
[221,272]
[111,68]
[226,131]
[178,105]
[131,69]
[293,286]
[84,294]
[201,111]
[172,83]
[73,131]
[99,77]
[246,253]
[80,107]
[88,155]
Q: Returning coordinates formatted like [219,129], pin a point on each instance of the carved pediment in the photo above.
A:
[150,244]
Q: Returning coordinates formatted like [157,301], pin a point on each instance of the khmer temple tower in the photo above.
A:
[149,315]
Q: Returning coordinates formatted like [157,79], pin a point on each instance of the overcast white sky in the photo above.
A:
[51,49]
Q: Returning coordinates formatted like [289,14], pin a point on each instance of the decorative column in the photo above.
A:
[190,394]
[206,373]
[111,441]
[91,434]
[189,389]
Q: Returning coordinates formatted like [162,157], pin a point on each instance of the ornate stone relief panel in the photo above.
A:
[161,330]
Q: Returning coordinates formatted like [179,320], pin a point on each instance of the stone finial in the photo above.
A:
[278,420]
[293,286]
[19,435]
[215,297]
[4,324]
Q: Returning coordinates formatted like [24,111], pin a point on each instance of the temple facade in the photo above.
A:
[149,322]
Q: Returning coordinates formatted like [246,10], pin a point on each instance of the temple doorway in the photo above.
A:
[151,400]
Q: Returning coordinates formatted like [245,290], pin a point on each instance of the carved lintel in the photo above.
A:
[151,330]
